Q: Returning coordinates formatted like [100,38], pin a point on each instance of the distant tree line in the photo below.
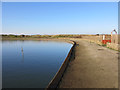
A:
[12,36]
[42,36]
[48,36]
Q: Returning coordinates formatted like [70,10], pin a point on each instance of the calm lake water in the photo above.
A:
[31,64]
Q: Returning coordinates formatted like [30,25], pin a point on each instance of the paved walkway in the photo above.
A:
[94,66]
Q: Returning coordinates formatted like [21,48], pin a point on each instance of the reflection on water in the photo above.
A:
[22,55]
[31,64]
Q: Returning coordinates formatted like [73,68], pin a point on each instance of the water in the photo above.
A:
[31,64]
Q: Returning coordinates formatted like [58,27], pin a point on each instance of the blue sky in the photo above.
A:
[59,17]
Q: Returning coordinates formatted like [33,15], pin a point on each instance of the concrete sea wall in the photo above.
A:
[56,80]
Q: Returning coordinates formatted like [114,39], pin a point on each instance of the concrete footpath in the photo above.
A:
[94,66]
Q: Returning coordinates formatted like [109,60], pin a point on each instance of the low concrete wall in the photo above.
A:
[56,80]
[113,46]
[94,38]
[94,41]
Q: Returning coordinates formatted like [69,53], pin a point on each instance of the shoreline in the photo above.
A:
[68,40]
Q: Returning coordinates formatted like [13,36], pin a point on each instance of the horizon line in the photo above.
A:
[50,34]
